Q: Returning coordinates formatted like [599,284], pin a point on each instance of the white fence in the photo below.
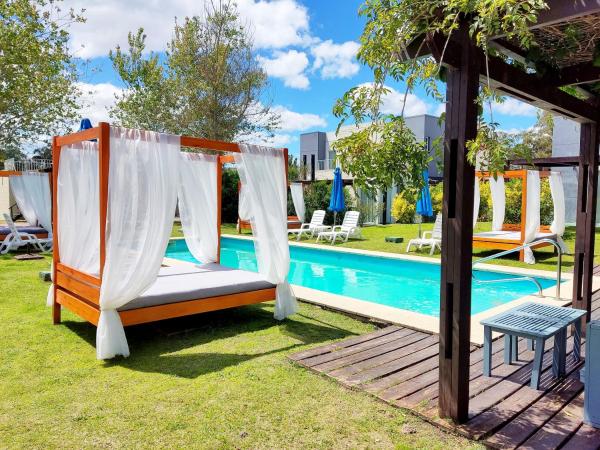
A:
[27,164]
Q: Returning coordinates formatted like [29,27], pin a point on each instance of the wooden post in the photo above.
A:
[55,254]
[587,192]
[457,232]
[103,169]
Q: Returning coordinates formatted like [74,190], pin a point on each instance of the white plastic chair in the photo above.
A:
[349,227]
[16,239]
[315,225]
[431,239]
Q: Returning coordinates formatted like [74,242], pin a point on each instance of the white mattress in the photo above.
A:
[511,235]
[180,283]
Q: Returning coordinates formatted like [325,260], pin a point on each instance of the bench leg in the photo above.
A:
[577,340]
[487,352]
[559,354]
[530,345]
[537,363]
[508,353]
[514,347]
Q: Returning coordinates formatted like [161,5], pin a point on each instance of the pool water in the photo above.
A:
[410,285]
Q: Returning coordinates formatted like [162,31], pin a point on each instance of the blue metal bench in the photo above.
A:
[537,323]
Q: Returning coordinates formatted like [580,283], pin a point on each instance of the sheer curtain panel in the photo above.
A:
[142,197]
[532,214]
[558,199]
[197,195]
[262,173]
[78,200]
[498,202]
[298,198]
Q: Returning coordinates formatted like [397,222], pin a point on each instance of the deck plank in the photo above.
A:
[401,367]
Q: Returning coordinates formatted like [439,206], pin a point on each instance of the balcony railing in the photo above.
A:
[27,164]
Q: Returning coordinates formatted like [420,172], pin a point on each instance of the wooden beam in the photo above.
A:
[554,161]
[9,173]
[574,75]
[80,136]
[56,308]
[457,232]
[510,80]
[564,10]
[587,192]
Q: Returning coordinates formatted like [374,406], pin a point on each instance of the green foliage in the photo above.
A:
[437,196]
[514,200]
[38,95]
[229,202]
[394,26]
[209,85]
[317,196]
[403,210]
[382,155]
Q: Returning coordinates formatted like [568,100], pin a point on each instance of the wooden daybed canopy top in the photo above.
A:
[179,290]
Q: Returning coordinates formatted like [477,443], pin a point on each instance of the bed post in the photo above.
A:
[103,168]
[55,255]
[219,203]
[523,211]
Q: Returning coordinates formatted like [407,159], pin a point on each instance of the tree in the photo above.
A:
[209,85]
[392,45]
[38,95]
[537,141]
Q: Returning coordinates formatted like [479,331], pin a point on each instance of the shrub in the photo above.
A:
[403,210]
[317,195]
[229,203]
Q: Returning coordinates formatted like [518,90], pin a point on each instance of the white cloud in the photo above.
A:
[513,107]
[393,101]
[96,99]
[288,66]
[336,60]
[273,24]
[294,121]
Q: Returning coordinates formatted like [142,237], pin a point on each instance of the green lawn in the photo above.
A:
[218,380]
[374,239]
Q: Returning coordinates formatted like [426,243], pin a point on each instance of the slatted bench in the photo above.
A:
[537,323]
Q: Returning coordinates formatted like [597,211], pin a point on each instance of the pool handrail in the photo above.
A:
[518,249]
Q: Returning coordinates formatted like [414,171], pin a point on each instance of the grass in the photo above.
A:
[218,380]
[374,239]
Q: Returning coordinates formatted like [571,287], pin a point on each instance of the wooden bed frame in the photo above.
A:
[80,292]
[292,223]
[9,173]
[507,244]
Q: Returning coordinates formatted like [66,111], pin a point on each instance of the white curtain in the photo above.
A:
[558,199]
[32,194]
[142,196]
[244,210]
[298,198]
[498,202]
[78,202]
[476,201]
[262,172]
[197,195]
[532,213]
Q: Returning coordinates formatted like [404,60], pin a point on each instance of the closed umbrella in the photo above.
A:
[337,202]
[424,207]
[85,124]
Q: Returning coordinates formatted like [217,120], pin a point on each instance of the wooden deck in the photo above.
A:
[400,366]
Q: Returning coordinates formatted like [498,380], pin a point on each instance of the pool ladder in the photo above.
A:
[527,278]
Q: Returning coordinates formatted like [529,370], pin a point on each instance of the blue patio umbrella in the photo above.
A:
[424,207]
[336,202]
[85,124]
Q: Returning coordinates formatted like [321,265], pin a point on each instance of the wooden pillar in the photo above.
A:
[457,232]
[587,192]
[56,308]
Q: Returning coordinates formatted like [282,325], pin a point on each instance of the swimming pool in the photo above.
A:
[410,285]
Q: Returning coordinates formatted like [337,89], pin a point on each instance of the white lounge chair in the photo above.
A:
[16,239]
[431,239]
[315,225]
[348,228]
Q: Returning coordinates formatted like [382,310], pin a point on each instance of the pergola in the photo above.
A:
[467,68]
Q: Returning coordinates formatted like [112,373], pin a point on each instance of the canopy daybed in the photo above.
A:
[114,204]
[293,222]
[508,236]
[32,195]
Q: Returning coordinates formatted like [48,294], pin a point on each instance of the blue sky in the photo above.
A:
[307,47]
